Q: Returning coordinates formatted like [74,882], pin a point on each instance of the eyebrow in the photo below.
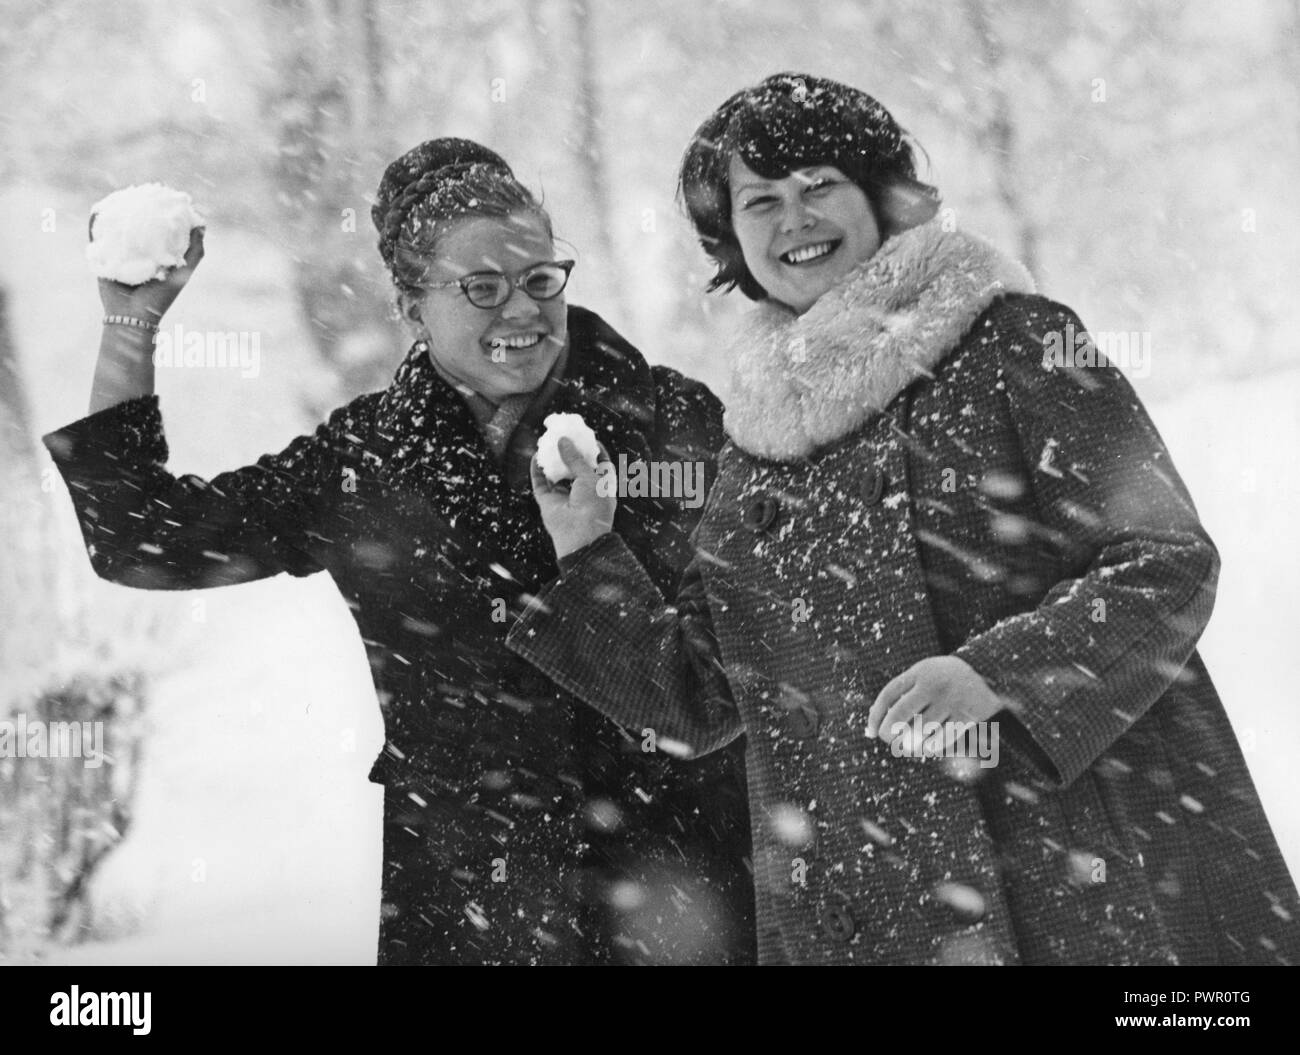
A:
[497,269]
[804,172]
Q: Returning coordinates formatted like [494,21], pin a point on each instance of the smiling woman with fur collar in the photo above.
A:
[918,516]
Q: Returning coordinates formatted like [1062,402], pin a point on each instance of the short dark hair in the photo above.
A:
[787,122]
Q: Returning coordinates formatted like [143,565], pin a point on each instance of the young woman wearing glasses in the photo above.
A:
[520,827]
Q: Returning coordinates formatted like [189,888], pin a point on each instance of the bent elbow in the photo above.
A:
[111,565]
[1207,563]
[1198,571]
[1214,563]
[103,564]
[107,564]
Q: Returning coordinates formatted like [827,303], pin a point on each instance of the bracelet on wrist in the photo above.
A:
[130,320]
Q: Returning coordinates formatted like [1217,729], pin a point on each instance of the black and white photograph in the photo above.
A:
[591,483]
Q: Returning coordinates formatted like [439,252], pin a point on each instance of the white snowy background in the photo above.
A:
[1163,206]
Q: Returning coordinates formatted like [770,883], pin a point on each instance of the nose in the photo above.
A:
[796,216]
[520,306]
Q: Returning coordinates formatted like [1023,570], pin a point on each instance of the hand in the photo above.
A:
[939,689]
[150,300]
[576,512]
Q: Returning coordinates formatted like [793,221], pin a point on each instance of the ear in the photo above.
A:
[410,307]
[905,204]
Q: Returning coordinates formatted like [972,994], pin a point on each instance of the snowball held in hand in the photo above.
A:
[572,427]
[138,233]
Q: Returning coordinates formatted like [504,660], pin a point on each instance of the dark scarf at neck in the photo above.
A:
[429,444]
[500,422]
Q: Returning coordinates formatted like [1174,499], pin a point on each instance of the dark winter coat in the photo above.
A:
[910,476]
[520,827]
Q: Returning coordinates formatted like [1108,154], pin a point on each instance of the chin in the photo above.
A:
[804,297]
[518,384]
[799,301]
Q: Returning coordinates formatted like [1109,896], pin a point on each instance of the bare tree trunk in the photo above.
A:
[998,137]
[27,555]
[15,415]
[590,156]
[325,124]
[1294,64]
[376,85]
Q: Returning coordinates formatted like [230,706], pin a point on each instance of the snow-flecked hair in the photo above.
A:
[438,181]
[787,122]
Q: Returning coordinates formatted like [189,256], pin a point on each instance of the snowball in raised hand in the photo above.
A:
[138,233]
[572,427]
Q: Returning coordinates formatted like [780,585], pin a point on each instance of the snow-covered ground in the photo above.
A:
[257,836]
[1236,445]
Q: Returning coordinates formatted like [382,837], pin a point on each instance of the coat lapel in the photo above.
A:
[800,382]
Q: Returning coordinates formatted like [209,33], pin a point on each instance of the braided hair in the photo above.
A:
[439,181]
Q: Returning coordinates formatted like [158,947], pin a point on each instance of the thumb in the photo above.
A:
[194,253]
[573,459]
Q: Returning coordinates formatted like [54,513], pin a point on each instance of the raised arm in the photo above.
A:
[125,367]
[146,528]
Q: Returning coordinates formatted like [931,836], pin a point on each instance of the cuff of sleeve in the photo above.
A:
[570,631]
[564,607]
[1028,730]
[126,434]
[1071,714]
[571,561]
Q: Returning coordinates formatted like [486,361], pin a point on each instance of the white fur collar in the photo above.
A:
[800,382]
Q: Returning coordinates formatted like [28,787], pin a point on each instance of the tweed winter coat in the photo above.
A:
[910,475]
[520,827]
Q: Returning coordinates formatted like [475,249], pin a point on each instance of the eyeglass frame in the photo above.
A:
[515,283]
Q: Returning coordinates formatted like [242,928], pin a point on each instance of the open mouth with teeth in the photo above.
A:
[809,254]
[519,342]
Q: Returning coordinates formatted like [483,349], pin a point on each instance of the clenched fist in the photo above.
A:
[150,300]
[578,511]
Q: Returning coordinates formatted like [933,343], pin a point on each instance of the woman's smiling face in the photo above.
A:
[502,351]
[803,233]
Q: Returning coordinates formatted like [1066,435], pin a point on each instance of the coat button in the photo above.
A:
[761,513]
[873,486]
[837,923]
[804,721]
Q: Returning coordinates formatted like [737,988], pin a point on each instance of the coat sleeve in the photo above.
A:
[687,430]
[604,633]
[1111,636]
[144,527]
[689,416]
